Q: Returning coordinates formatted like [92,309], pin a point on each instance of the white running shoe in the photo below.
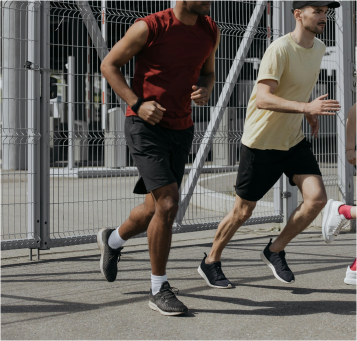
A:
[332,222]
[350,276]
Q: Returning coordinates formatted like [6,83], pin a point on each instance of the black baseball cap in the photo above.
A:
[301,4]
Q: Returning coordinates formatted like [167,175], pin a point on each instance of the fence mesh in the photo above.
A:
[97,191]
[92,174]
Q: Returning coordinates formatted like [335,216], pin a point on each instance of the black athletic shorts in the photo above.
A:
[159,153]
[259,170]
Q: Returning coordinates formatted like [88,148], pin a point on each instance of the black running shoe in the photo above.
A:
[277,263]
[213,275]
[166,302]
[109,257]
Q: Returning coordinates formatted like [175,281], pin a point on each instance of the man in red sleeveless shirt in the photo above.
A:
[175,58]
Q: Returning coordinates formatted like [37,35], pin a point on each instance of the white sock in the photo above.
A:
[156,282]
[115,241]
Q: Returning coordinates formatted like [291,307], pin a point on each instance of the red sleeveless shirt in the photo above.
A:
[170,63]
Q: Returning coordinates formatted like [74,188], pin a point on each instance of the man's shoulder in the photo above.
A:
[209,26]
[279,44]
[159,18]
[319,44]
[208,20]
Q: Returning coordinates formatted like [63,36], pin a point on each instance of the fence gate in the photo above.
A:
[66,169]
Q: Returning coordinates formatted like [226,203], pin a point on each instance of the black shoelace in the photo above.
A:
[116,252]
[218,272]
[119,253]
[169,294]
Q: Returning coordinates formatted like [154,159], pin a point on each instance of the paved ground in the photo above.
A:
[63,296]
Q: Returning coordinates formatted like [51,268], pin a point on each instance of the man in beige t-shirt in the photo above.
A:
[273,142]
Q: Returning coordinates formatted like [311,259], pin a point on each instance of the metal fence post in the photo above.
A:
[277,28]
[71,110]
[289,195]
[344,94]
[33,109]
[278,199]
[44,161]
[104,81]
[277,18]
[14,83]
[288,22]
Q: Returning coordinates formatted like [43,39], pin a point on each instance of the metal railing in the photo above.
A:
[71,172]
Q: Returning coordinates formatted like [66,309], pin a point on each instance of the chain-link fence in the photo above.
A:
[73,173]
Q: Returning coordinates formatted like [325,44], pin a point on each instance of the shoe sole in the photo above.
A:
[350,281]
[325,220]
[207,281]
[265,260]
[101,248]
[153,306]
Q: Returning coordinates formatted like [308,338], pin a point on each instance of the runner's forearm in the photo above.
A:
[272,102]
[351,128]
[116,79]
[207,81]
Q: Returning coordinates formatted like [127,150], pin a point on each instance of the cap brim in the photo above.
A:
[329,4]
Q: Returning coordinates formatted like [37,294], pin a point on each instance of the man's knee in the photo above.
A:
[243,211]
[246,213]
[168,207]
[166,201]
[313,191]
[317,204]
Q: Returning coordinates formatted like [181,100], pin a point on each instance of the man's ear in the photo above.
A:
[297,14]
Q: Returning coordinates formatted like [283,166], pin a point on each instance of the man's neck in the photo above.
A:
[183,15]
[303,37]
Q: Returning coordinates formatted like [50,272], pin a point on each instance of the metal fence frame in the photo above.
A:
[285,196]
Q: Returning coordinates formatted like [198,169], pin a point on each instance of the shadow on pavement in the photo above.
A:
[277,308]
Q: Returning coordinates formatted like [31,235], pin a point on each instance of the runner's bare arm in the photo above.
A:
[351,136]
[202,91]
[123,51]
[268,101]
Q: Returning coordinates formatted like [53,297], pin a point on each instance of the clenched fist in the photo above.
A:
[200,95]
[151,112]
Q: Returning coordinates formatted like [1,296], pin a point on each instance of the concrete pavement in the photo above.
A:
[64,296]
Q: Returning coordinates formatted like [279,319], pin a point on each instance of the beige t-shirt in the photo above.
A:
[296,69]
